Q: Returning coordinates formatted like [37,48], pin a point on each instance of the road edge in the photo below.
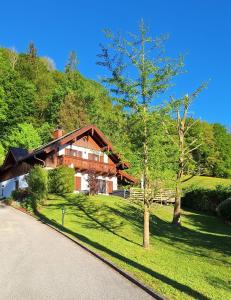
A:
[128,276]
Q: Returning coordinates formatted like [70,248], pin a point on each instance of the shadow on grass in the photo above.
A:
[181,287]
[193,242]
[208,223]
[182,238]
[98,216]
[218,283]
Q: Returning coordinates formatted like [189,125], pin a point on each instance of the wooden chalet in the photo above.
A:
[85,149]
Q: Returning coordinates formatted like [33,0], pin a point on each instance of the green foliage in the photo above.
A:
[27,203]
[19,194]
[213,157]
[72,112]
[61,180]
[37,180]
[35,98]
[205,199]
[3,105]
[223,146]
[224,209]
[2,154]
[152,73]
[24,136]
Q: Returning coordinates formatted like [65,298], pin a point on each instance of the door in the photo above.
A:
[109,187]
[77,183]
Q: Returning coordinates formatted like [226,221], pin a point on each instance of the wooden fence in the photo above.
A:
[161,196]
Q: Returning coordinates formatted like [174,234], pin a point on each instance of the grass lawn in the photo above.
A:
[206,182]
[193,262]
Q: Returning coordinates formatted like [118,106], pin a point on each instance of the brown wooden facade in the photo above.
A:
[89,137]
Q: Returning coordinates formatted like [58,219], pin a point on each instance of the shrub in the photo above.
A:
[20,194]
[61,180]
[27,203]
[8,201]
[37,185]
[224,209]
[203,199]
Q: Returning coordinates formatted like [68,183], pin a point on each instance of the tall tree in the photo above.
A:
[32,51]
[138,71]
[72,113]
[223,147]
[72,62]
[179,110]
[24,136]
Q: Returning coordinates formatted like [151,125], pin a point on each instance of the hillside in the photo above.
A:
[35,98]
[206,182]
[112,227]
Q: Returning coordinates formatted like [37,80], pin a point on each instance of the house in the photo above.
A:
[85,149]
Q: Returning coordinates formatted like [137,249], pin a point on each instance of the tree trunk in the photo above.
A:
[177,207]
[146,227]
[145,176]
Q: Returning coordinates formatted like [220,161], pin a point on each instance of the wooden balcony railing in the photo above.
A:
[86,164]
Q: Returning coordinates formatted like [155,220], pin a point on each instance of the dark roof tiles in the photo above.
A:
[19,153]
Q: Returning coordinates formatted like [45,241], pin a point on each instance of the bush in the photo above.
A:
[202,199]
[224,209]
[8,201]
[37,185]
[27,203]
[20,194]
[61,180]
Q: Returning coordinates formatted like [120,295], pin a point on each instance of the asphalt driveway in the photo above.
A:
[39,263]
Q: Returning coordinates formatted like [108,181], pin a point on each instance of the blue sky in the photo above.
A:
[199,29]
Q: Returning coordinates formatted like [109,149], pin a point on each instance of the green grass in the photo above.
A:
[206,182]
[192,262]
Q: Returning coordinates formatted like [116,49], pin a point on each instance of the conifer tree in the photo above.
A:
[138,72]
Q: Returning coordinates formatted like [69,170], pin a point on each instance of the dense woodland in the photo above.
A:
[35,98]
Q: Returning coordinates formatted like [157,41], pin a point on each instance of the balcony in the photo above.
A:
[82,164]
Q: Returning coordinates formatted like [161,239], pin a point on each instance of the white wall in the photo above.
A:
[85,151]
[8,186]
[85,185]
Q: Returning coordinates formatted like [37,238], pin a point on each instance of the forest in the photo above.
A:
[35,98]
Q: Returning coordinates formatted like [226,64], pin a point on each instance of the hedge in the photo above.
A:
[61,180]
[224,209]
[203,199]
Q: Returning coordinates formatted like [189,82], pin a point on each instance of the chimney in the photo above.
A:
[57,133]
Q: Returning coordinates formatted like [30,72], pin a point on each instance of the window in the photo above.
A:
[72,152]
[94,157]
[102,186]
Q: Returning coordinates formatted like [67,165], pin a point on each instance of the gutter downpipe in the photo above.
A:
[39,159]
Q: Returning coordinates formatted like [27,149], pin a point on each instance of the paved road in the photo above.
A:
[39,263]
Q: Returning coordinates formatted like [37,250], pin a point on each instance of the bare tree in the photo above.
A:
[13,57]
[179,110]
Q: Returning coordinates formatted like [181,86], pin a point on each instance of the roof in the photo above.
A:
[128,177]
[18,153]
[22,154]
[14,154]
[54,141]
